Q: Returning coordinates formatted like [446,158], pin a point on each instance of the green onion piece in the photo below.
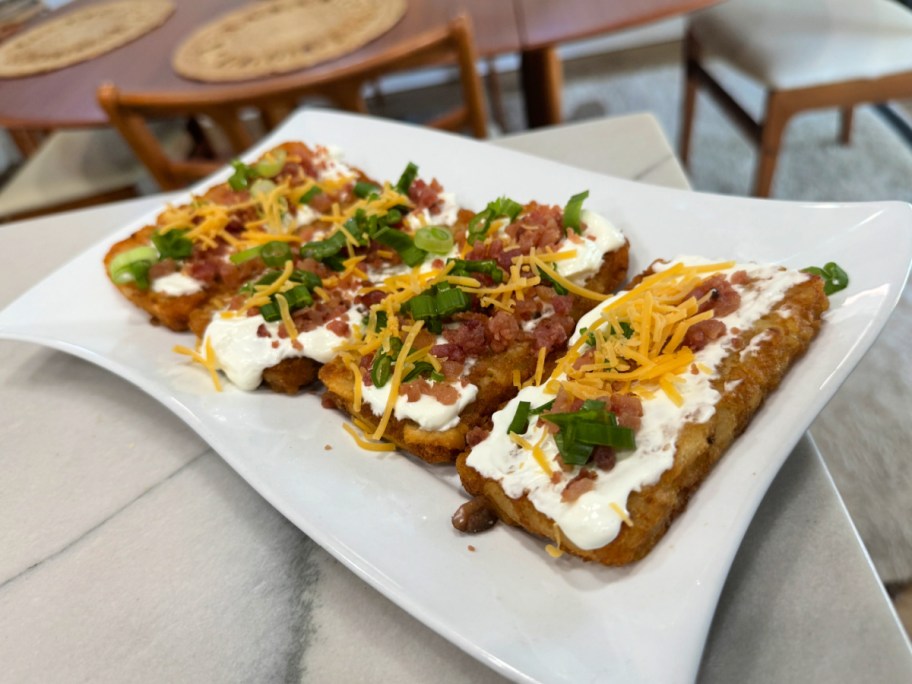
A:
[556,286]
[502,207]
[173,244]
[310,194]
[268,278]
[834,278]
[306,278]
[275,253]
[604,435]
[322,249]
[261,186]
[270,312]
[520,422]
[573,210]
[462,267]
[402,243]
[271,164]
[406,179]
[119,268]
[241,176]
[420,368]
[544,407]
[381,320]
[422,306]
[450,301]
[381,370]
[245,255]
[298,296]
[140,272]
[434,239]
[572,451]
[363,189]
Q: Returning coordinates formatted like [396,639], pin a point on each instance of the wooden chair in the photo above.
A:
[129,112]
[807,54]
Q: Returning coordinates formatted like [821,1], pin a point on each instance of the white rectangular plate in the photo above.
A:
[386,517]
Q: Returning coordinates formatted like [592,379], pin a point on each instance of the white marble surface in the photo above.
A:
[131,552]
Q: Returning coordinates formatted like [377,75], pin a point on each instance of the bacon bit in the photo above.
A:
[694,370]
[471,548]
[262,331]
[296,344]
[702,333]
[275,344]
[628,409]
[327,447]
[579,485]
[723,300]
[740,278]
[604,458]
[338,327]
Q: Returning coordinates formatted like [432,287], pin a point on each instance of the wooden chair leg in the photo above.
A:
[845,124]
[690,97]
[776,118]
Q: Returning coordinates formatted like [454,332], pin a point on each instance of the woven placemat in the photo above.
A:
[80,35]
[278,36]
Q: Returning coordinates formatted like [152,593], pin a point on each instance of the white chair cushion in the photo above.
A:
[790,44]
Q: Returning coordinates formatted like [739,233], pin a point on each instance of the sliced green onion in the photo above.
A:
[241,176]
[298,296]
[120,267]
[422,368]
[834,278]
[520,422]
[573,210]
[270,312]
[245,255]
[502,207]
[271,164]
[544,407]
[173,244]
[363,189]
[263,187]
[581,431]
[462,267]
[321,249]
[434,239]
[306,278]
[402,243]
[275,253]
[407,178]
[422,306]
[381,370]
[451,301]
[556,286]
[310,194]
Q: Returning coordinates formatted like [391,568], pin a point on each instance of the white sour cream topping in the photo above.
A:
[429,413]
[446,216]
[330,161]
[599,238]
[591,521]
[243,356]
[176,285]
[305,215]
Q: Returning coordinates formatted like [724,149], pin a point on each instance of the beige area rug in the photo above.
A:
[278,36]
[865,433]
[80,35]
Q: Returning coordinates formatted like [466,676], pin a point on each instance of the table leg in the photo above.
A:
[542,81]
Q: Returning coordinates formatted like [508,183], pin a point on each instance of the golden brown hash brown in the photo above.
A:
[492,374]
[743,385]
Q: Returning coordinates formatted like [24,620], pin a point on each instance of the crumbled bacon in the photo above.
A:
[604,458]
[262,331]
[423,195]
[627,408]
[338,327]
[476,435]
[444,393]
[579,485]
[469,334]
[162,268]
[723,299]
[552,332]
[702,333]
[449,351]
[503,330]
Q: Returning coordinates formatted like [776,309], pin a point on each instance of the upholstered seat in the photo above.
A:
[808,54]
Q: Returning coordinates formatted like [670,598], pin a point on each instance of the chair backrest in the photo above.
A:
[130,112]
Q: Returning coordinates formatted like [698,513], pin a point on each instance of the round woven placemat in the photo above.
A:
[80,35]
[278,36]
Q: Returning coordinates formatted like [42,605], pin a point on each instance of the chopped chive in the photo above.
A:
[275,253]
[363,189]
[573,210]
[834,278]
[122,271]
[407,178]
[173,244]
[241,176]
[245,255]
[520,422]
[271,164]
[310,194]
[434,239]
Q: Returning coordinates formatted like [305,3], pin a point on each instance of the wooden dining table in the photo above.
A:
[533,28]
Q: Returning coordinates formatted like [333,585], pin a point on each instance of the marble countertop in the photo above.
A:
[132,552]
